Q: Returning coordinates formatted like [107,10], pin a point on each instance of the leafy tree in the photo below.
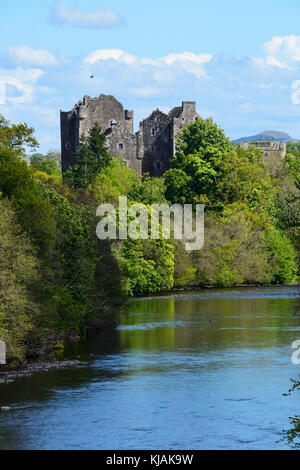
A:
[202,138]
[148,191]
[178,187]
[54,154]
[68,273]
[147,265]
[18,271]
[16,136]
[41,163]
[34,214]
[293,167]
[114,180]
[281,258]
[91,157]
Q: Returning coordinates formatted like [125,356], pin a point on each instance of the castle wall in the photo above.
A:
[122,143]
[69,138]
[102,110]
[108,112]
[147,151]
[155,141]
[184,116]
[270,148]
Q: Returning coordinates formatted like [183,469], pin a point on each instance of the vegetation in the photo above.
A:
[58,279]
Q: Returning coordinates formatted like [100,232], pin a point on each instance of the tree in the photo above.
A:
[34,214]
[202,138]
[16,136]
[114,180]
[91,157]
[18,271]
[54,154]
[40,162]
[148,191]
[201,145]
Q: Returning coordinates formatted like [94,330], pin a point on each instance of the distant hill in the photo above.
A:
[277,136]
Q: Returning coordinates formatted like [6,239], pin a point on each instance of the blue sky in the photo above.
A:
[239,60]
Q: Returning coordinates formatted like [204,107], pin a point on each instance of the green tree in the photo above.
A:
[41,163]
[91,157]
[16,136]
[202,138]
[34,214]
[18,272]
[114,180]
[201,146]
[281,258]
[148,191]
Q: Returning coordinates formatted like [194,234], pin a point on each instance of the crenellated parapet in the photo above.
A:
[147,151]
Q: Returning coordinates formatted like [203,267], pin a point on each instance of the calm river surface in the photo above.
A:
[199,370]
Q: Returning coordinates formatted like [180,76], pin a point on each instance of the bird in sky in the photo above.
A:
[92,76]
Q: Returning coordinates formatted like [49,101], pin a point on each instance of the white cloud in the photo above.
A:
[24,80]
[295,97]
[284,48]
[271,60]
[256,90]
[146,91]
[185,62]
[264,86]
[105,54]
[100,19]
[33,57]
[187,57]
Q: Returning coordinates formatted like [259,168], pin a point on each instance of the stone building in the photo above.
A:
[147,151]
[269,147]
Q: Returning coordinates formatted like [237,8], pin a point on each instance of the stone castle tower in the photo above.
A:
[147,151]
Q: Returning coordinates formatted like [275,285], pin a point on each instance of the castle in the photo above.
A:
[147,151]
[269,147]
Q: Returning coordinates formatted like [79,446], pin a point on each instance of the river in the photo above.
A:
[198,370]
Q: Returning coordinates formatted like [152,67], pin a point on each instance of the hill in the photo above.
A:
[277,136]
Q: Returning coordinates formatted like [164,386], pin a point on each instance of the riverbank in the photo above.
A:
[192,371]
[10,376]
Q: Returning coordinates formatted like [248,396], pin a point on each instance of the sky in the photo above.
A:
[240,61]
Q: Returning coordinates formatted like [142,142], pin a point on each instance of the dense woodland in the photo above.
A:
[58,280]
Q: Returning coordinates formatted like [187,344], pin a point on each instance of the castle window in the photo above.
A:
[158,165]
[152,148]
[68,146]
[121,147]
[153,132]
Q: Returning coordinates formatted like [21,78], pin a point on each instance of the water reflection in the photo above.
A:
[200,370]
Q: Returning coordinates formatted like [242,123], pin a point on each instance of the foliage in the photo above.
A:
[34,214]
[16,136]
[147,265]
[57,278]
[18,271]
[115,180]
[39,162]
[148,191]
[281,258]
[91,157]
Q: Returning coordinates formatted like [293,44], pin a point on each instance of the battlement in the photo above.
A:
[149,150]
[270,147]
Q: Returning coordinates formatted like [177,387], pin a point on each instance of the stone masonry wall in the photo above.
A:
[147,151]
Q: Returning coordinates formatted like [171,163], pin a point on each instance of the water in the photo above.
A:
[200,370]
